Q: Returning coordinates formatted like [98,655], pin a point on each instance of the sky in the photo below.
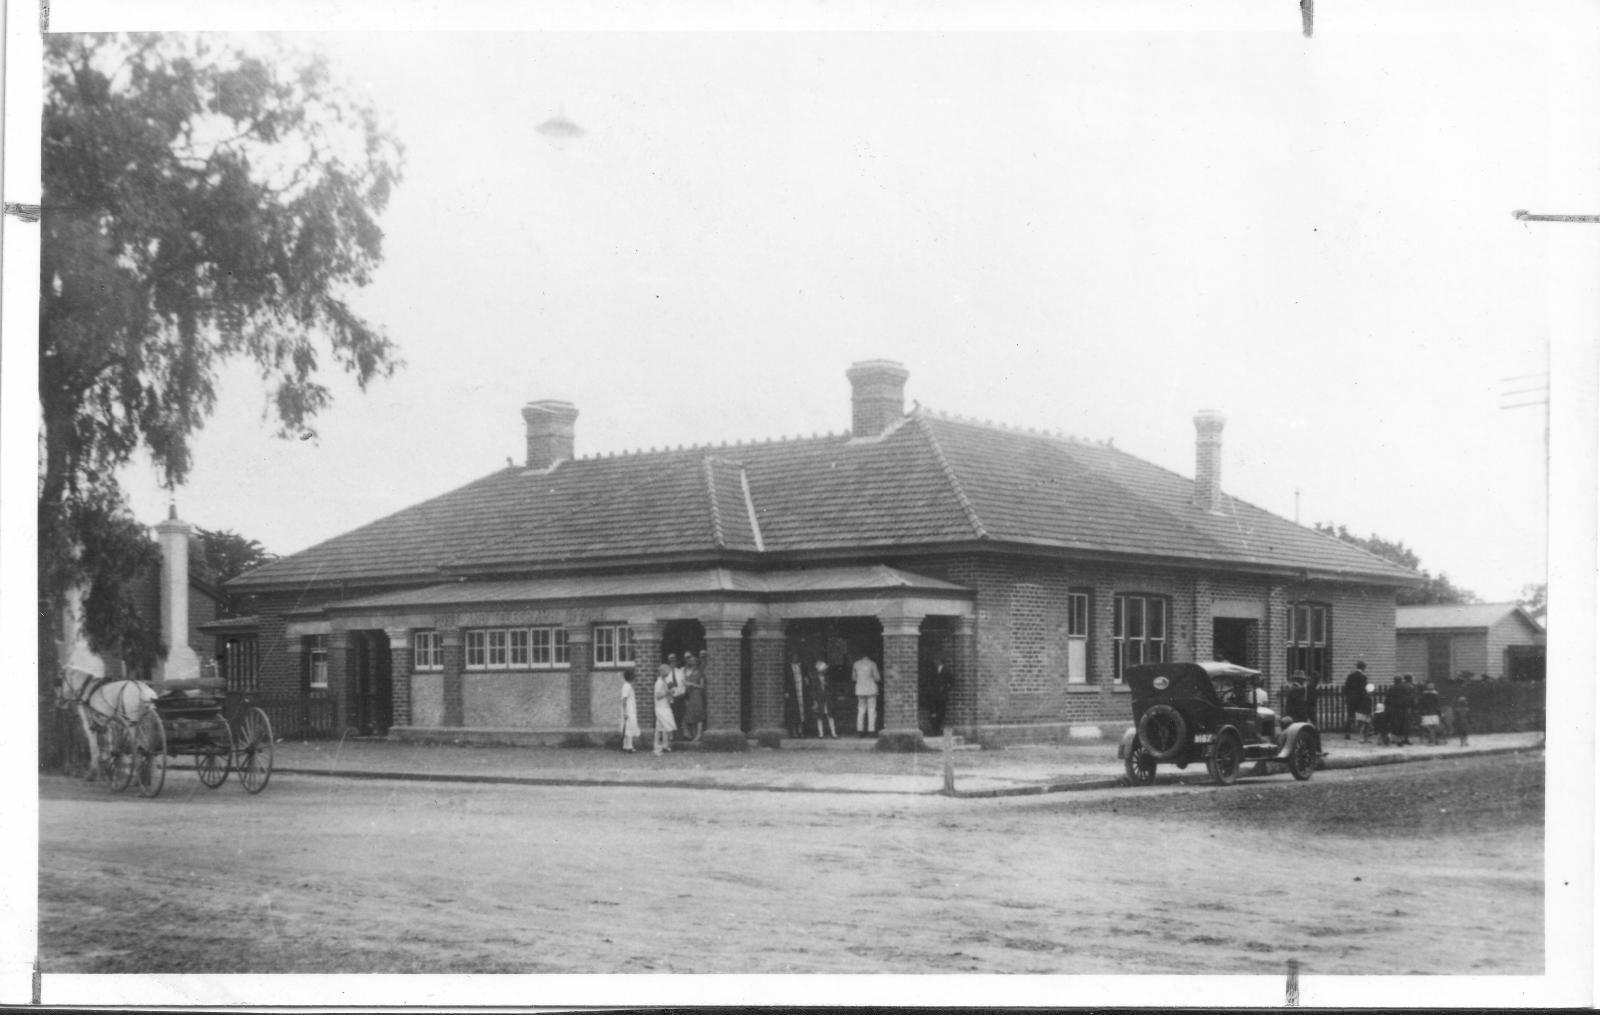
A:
[1096,232]
[1099,232]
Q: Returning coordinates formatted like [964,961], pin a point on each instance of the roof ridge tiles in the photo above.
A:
[967,507]
[717,536]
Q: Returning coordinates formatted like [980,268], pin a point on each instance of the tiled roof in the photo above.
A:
[1463,615]
[930,480]
[866,578]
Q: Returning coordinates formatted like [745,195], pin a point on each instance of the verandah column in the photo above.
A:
[454,701]
[901,637]
[647,657]
[724,644]
[962,656]
[339,689]
[767,675]
[580,658]
[400,674]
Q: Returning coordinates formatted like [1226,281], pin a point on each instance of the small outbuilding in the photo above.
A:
[1472,640]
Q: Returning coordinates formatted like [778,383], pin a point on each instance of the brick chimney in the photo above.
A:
[877,397]
[1208,459]
[550,430]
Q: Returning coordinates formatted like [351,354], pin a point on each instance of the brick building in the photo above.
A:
[1037,565]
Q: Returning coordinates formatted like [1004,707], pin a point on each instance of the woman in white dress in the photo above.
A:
[630,712]
[665,727]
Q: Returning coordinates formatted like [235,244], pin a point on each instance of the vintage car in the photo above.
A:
[1189,712]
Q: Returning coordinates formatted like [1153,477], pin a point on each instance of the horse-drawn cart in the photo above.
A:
[193,717]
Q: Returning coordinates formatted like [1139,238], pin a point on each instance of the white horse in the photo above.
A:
[97,701]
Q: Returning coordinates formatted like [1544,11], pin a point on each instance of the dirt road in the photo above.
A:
[1407,869]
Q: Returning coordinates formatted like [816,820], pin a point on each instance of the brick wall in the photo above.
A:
[1020,645]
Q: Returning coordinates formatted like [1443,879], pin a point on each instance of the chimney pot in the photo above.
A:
[1208,459]
[877,396]
[550,426]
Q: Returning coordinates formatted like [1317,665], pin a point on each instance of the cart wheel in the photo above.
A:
[213,759]
[254,751]
[116,754]
[150,754]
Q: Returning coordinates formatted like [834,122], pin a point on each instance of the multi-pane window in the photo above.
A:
[1077,637]
[1138,631]
[515,648]
[1308,630]
[318,660]
[427,652]
[613,645]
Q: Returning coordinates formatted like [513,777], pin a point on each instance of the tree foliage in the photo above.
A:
[1533,600]
[203,201]
[1435,590]
[218,555]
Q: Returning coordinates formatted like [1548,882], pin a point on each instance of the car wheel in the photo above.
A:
[1304,756]
[1227,751]
[1162,732]
[1141,767]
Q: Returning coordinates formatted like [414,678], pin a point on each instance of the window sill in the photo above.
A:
[1096,688]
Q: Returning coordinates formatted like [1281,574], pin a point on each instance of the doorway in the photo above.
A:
[1233,641]
[374,690]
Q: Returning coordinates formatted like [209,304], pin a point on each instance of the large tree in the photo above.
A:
[204,200]
[216,555]
[1436,588]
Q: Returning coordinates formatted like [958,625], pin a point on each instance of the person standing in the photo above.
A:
[819,700]
[867,681]
[1355,688]
[1428,708]
[1398,709]
[694,699]
[630,712]
[679,689]
[1461,712]
[1294,697]
[794,694]
[665,726]
[940,687]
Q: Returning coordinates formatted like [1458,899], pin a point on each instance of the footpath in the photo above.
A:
[807,766]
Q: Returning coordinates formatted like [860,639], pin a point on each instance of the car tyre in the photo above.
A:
[1141,767]
[1162,732]
[1304,758]
[1225,756]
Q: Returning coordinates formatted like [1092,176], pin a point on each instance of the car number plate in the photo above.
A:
[1202,738]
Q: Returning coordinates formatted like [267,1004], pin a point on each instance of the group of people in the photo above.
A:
[1391,719]
[808,697]
[679,696]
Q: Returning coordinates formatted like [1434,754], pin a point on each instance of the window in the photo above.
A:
[517,648]
[613,645]
[1077,637]
[239,667]
[317,657]
[1138,631]
[1308,630]
[427,653]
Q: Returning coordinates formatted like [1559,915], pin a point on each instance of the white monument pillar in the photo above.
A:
[181,663]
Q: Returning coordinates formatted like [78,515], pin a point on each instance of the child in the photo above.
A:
[1380,723]
[630,712]
[1461,708]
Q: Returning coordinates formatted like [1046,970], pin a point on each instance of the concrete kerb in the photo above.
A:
[1332,764]
[1083,784]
